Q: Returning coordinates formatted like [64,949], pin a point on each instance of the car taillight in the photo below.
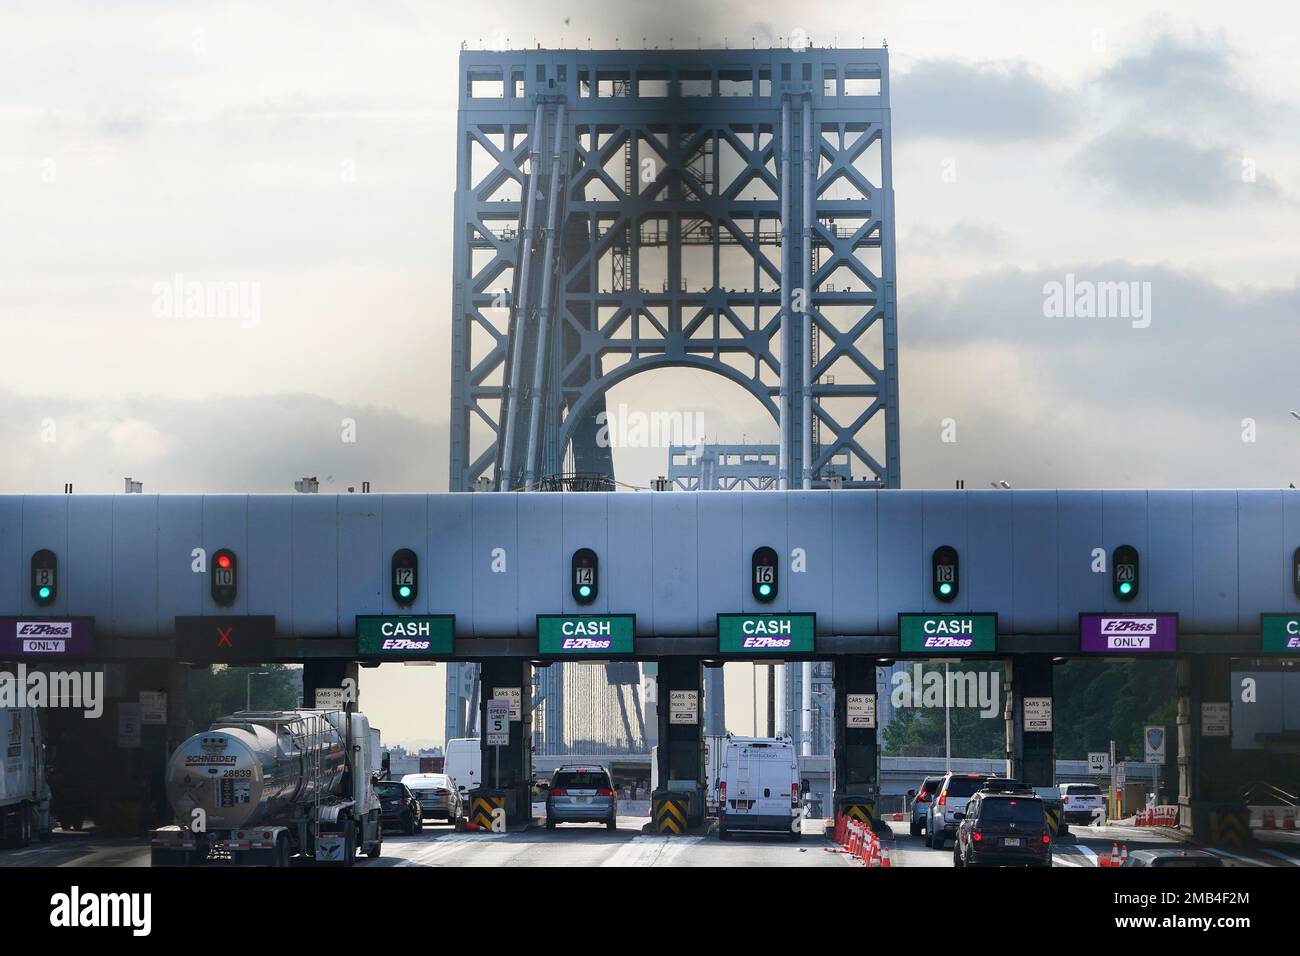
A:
[976,836]
[1047,838]
[559,792]
[943,799]
[923,798]
[722,792]
[604,792]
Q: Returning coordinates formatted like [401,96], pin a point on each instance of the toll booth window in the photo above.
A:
[861,763]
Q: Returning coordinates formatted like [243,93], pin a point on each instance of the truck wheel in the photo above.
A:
[350,845]
[377,847]
[280,855]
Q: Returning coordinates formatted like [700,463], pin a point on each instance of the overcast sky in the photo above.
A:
[307,149]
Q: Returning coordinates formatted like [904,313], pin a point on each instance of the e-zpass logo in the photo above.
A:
[766,643]
[950,642]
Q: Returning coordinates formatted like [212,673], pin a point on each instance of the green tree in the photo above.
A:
[1100,701]
[219,690]
[919,731]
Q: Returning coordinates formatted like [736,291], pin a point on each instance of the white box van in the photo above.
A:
[758,789]
[463,762]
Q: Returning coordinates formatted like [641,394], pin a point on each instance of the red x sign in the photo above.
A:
[223,636]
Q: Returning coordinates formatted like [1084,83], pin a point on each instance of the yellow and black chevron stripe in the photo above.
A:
[864,813]
[1053,819]
[670,815]
[1230,827]
[481,809]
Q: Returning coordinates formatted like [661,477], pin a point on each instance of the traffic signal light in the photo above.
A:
[1124,572]
[406,576]
[45,577]
[225,576]
[763,574]
[585,576]
[944,579]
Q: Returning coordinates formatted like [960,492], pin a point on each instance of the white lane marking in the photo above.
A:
[1234,856]
[1088,855]
[646,850]
[1281,856]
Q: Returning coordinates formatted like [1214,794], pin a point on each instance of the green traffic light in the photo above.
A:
[1125,588]
[404,591]
[585,590]
[945,588]
[765,589]
[44,593]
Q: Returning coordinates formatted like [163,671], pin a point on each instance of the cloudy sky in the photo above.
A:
[306,149]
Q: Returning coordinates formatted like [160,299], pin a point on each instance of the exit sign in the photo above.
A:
[584,635]
[766,633]
[1281,633]
[947,634]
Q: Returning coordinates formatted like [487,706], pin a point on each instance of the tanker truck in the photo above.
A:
[261,787]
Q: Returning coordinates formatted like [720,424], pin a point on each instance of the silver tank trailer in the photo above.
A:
[252,766]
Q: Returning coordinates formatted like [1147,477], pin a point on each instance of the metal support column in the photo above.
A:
[516,765]
[527,228]
[856,750]
[536,398]
[1033,751]
[681,745]
[806,315]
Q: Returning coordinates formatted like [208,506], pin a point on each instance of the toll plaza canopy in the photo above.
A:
[669,565]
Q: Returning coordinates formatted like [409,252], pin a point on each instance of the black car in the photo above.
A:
[398,807]
[1003,826]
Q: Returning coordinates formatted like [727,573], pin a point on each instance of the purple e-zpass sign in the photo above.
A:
[1128,633]
[45,637]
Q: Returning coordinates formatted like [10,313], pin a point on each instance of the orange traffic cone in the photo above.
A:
[884,857]
[1123,854]
[1114,855]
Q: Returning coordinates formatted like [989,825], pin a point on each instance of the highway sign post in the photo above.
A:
[330,698]
[498,732]
[1038,715]
[683,707]
[1154,741]
[860,711]
[1216,719]
[514,697]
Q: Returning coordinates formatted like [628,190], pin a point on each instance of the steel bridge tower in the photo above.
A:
[618,211]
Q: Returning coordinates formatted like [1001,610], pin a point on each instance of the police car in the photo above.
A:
[1083,803]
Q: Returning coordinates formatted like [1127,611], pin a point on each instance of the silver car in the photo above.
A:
[581,794]
[438,796]
[949,807]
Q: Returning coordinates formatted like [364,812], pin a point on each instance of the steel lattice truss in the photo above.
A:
[666,245]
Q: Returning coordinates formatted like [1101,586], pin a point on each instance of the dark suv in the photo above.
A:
[398,807]
[1004,825]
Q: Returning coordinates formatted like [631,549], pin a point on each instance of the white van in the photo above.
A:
[758,787]
[463,762]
